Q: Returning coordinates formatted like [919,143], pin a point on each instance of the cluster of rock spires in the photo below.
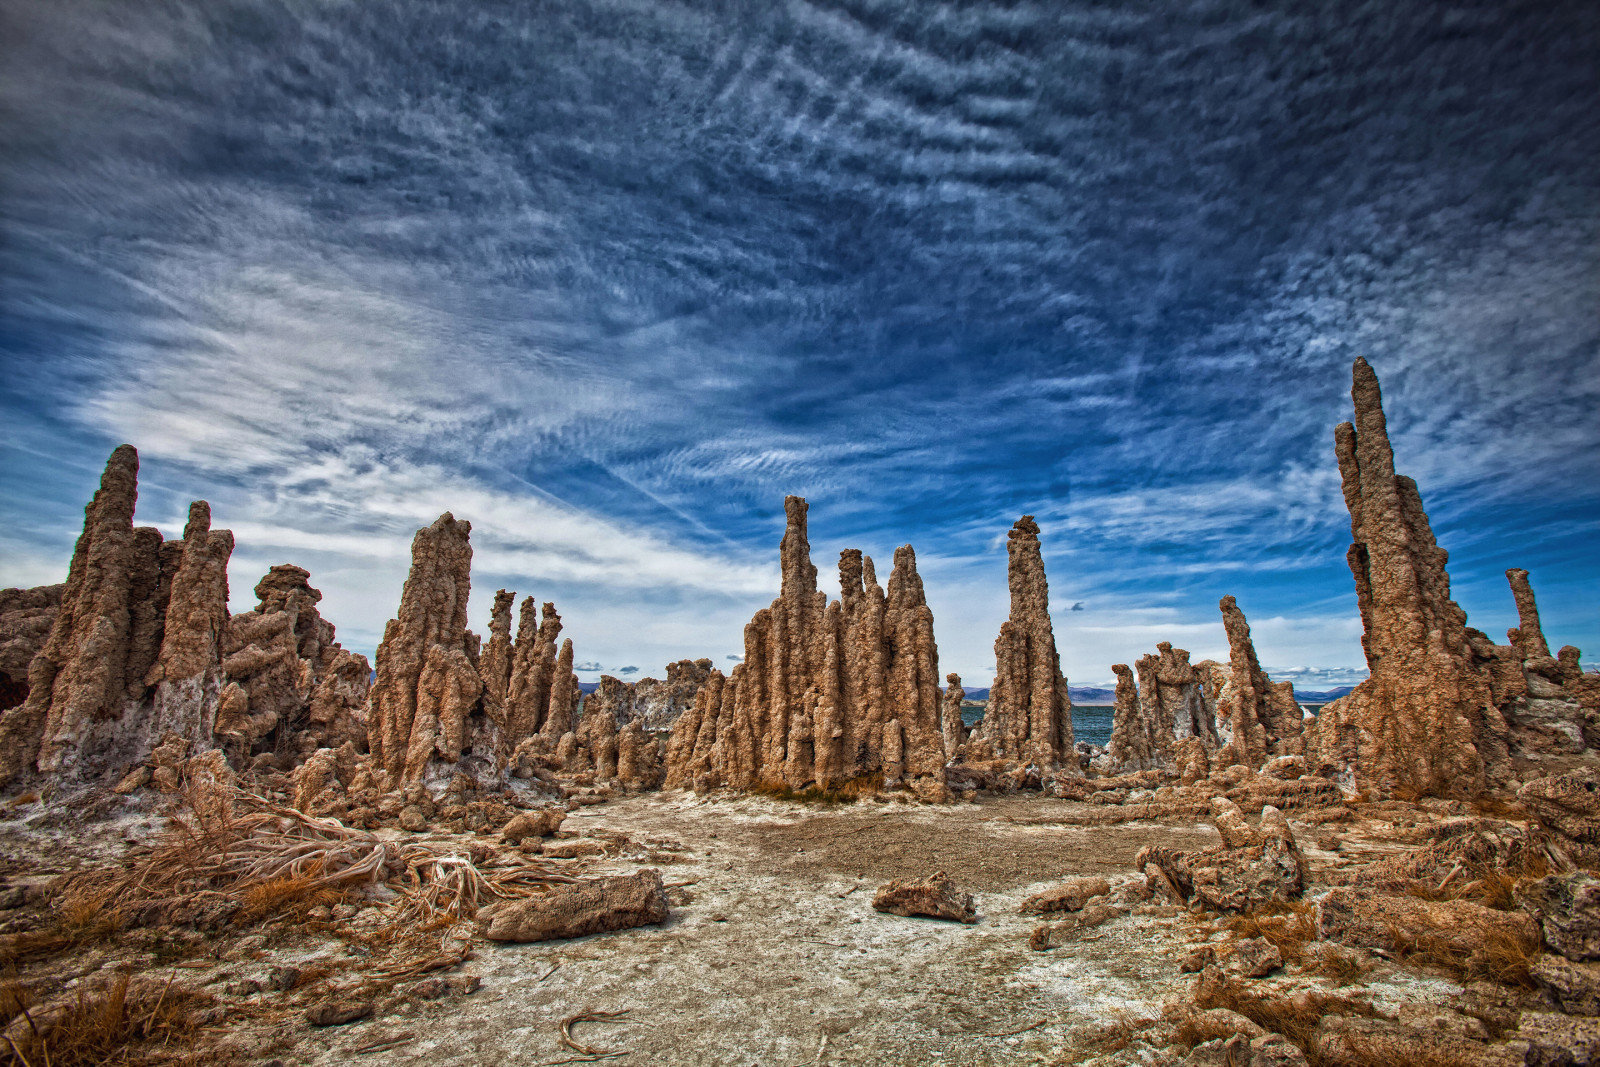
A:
[827,693]
[1445,711]
[136,657]
[138,647]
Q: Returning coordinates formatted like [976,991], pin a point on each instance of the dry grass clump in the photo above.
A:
[237,856]
[78,920]
[1290,926]
[1497,955]
[847,792]
[1492,887]
[124,1021]
[1295,1017]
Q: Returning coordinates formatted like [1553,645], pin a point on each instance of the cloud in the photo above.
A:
[620,284]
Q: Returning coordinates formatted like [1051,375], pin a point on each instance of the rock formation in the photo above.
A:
[955,731]
[826,693]
[1424,722]
[1258,717]
[87,710]
[291,688]
[1166,705]
[1029,717]
[427,684]
[1130,733]
[187,674]
[26,618]
[656,704]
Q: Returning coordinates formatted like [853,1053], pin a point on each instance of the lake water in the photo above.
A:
[1090,722]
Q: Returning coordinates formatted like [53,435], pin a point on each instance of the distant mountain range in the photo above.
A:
[1307,697]
[1090,695]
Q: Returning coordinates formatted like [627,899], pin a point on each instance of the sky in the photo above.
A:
[608,280]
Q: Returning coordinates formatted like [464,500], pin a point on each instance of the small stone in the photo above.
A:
[532,824]
[935,897]
[134,779]
[1255,957]
[345,911]
[1195,961]
[320,914]
[283,978]
[411,819]
[13,898]
[1070,895]
[338,1012]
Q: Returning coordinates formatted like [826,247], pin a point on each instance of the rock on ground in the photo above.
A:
[590,907]
[936,897]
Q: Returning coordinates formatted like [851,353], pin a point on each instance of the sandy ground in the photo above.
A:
[772,954]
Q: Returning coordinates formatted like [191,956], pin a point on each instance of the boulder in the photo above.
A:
[1228,878]
[532,824]
[1255,957]
[1559,1040]
[1070,895]
[1395,924]
[589,907]
[1574,987]
[1567,908]
[935,896]
[1342,1041]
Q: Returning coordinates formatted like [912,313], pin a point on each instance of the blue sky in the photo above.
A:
[610,279]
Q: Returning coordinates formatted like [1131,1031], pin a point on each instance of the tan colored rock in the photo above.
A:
[1130,733]
[656,704]
[826,693]
[935,897]
[1230,878]
[1344,1041]
[1423,722]
[589,907]
[1559,1039]
[533,671]
[1567,808]
[87,710]
[1260,719]
[1573,987]
[638,758]
[955,731]
[1029,717]
[1058,934]
[285,677]
[26,618]
[1567,909]
[425,678]
[494,667]
[1394,923]
[1070,895]
[532,824]
[562,713]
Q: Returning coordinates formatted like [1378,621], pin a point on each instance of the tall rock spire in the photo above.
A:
[426,682]
[1424,722]
[1029,716]
[827,692]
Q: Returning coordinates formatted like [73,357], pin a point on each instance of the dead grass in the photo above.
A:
[847,792]
[1497,956]
[78,921]
[1480,883]
[1290,927]
[1295,1017]
[123,1021]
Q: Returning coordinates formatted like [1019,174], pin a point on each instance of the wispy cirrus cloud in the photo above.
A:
[610,279]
